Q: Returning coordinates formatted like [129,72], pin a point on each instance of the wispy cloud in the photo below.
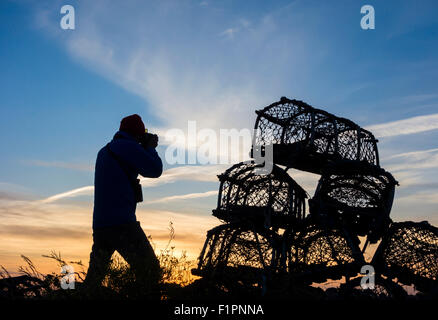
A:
[405,126]
[421,197]
[69,194]
[190,229]
[61,164]
[190,173]
[229,33]
[69,231]
[187,196]
[420,159]
[42,232]
[205,173]
[419,154]
[12,196]
[196,80]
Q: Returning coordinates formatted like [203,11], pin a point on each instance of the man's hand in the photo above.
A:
[149,140]
[153,141]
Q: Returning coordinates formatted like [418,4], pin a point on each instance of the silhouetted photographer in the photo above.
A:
[116,194]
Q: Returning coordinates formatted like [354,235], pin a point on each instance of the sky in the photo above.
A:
[64,92]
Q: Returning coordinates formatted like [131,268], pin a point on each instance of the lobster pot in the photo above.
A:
[233,253]
[317,254]
[273,199]
[409,253]
[359,202]
[309,139]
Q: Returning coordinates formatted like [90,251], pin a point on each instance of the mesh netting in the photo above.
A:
[308,139]
[353,198]
[234,252]
[409,252]
[359,202]
[273,199]
[316,254]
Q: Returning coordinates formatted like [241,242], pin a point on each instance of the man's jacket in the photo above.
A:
[114,199]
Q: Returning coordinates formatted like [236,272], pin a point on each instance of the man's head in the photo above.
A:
[133,125]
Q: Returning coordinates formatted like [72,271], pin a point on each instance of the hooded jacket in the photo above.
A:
[114,199]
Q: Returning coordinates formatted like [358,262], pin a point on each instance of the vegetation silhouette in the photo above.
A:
[119,282]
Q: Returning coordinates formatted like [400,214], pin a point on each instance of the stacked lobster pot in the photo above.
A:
[255,210]
[268,230]
[353,197]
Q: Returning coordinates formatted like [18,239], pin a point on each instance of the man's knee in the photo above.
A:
[98,265]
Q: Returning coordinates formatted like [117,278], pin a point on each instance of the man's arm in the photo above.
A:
[146,160]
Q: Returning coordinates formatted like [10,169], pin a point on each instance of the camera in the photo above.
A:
[149,140]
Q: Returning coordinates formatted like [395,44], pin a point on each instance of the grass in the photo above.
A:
[119,282]
[176,282]
[175,269]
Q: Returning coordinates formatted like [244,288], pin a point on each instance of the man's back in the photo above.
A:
[114,198]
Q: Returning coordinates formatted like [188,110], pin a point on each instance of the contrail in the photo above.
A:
[190,173]
[185,196]
[405,126]
[72,193]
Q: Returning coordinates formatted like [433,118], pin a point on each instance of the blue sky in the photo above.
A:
[63,93]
